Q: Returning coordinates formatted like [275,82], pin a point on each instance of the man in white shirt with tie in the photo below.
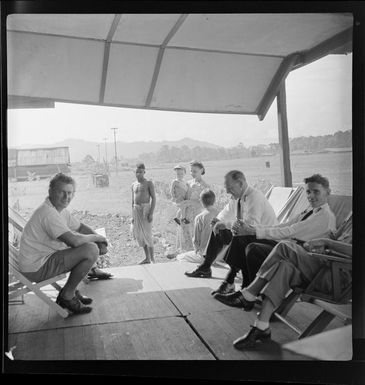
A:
[248,205]
[316,222]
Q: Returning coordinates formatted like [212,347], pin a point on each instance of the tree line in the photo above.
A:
[170,154]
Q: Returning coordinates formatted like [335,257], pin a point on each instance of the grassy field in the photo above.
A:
[110,207]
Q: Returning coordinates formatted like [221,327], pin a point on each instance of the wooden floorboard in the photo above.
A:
[118,299]
[154,339]
[220,329]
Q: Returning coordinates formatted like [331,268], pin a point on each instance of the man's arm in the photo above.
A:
[151,189]
[73,239]
[320,244]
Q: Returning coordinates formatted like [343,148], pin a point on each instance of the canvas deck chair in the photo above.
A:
[22,285]
[338,301]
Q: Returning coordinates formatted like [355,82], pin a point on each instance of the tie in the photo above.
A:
[308,214]
[239,216]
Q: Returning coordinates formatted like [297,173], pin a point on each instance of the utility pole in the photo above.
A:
[106,157]
[98,146]
[115,150]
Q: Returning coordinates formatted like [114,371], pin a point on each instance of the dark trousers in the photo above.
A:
[245,253]
[215,245]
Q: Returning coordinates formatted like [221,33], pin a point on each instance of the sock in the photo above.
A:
[247,295]
[231,276]
[261,325]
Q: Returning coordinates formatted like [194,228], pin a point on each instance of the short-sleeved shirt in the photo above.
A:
[39,239]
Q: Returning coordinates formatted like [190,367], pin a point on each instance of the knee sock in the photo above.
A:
[231,275]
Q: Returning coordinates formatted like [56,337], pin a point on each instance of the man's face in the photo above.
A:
[316,194]
[180,174]
[140,173]
[61,195]
[235,188]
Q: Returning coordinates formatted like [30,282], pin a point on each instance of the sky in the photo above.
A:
[318,103]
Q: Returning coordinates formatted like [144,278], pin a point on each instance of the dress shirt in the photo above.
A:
[318,225]
[255,209]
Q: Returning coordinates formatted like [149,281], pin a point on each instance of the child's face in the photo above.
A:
[180,174]
[140,173]
[195,171]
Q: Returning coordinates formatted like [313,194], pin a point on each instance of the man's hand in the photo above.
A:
[240,228]
[218,227]
[149,217]
[214,221]
[101,239]
[316,245]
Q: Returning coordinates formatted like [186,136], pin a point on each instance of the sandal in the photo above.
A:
[74,305]
[102,275]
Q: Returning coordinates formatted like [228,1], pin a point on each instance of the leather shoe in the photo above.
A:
[198,273]
[235,299]
[74,305]
[224,288]
[250,338]
[82,298]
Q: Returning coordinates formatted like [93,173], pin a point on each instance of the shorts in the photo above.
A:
[54,265]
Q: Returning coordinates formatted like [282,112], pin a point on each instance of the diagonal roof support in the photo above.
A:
[160,56]
[108,41]
[280,76]
[342,41]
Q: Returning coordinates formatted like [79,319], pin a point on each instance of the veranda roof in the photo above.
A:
[215,63]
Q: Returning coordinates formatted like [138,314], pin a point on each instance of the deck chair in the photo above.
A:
[279,196]
[341,206]
[22,285]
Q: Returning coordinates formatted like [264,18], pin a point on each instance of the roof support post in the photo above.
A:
[286,177]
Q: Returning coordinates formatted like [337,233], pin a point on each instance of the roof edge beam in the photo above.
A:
[108,41]
[326,47]
[15,102]
[160,56]
[281,74]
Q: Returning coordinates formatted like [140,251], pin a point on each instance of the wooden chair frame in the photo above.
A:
[24,285]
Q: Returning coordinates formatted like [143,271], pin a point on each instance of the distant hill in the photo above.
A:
[80,148]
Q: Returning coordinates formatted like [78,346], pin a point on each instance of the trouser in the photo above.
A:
[286,267]
[215,245]
[247,253]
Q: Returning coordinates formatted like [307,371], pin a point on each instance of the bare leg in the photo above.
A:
[81,259]
[148,257]
[151,253]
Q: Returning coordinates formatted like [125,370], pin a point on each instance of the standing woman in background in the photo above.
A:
[196,186]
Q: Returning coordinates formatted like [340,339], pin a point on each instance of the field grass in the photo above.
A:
[110,207]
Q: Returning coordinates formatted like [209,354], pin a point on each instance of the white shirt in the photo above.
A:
[202,228]
[318,225]
[39,237]
[255,209]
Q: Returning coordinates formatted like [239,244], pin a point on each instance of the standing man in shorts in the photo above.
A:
[55,242]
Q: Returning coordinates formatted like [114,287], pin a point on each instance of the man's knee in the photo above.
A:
[91,251]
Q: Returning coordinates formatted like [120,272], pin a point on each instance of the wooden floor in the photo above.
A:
[147,312]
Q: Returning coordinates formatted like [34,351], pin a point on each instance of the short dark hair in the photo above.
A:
[61,178]
[236,175]
[140,165]
[198,164]
[208,197]
[318,178]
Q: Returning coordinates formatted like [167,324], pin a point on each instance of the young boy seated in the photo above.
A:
[202,228]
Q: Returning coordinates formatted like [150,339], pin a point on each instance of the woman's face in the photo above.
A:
[180,173]
[196,171]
